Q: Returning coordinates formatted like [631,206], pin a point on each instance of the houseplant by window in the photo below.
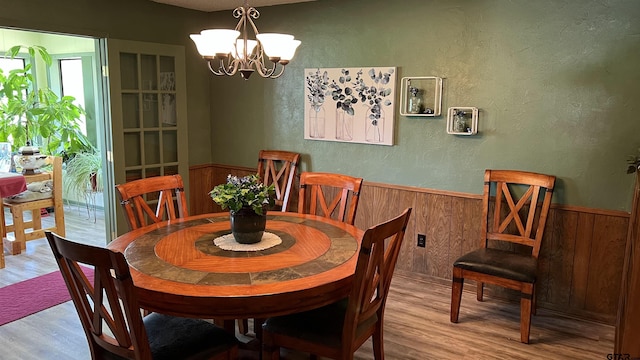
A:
[247,199]
[83,175]
[32,112]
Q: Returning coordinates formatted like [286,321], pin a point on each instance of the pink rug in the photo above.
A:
[31,296]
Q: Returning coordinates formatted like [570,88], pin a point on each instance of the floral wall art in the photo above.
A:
[350,104]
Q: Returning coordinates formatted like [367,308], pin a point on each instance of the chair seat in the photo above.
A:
[173,338]
[500,263]
[181,338]
[319,326]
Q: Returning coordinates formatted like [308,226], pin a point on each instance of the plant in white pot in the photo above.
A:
[83,174]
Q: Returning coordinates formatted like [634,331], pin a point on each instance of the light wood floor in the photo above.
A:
[417,323]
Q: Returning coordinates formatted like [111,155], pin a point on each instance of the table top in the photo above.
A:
[11,184]
[180,271]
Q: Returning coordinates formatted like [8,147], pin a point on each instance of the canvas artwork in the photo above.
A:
[350,104]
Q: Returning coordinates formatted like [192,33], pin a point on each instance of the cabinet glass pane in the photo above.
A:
[151,147]
[130,113]
[129,71]
[168,110]
[152,172]
[149,71]
[167,64]
[170,146]
[132,149]
[171,170]
[133,175]
[150,110]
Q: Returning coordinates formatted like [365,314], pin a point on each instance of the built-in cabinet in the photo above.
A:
[148,97]
[627,339]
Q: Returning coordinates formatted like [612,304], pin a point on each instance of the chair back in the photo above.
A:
[109,301]
[377,259]
[164,193]
[522,202]
[279,168]
[329,195]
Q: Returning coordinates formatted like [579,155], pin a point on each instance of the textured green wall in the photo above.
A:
[139,20]
[557,82]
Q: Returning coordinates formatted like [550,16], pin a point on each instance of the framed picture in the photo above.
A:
[350,104]
[462,120]
[421,96]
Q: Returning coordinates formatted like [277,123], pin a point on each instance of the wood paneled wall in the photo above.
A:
[581,257]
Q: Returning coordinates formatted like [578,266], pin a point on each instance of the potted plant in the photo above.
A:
[83,174]
[247,198]
[31,112]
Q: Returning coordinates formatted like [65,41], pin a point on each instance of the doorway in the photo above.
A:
[76,70]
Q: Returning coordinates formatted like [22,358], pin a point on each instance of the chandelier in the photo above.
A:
[229,51]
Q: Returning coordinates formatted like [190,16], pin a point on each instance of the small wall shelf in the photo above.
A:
[421,96]
[462,120]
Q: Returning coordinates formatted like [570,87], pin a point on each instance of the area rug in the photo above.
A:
[31,296]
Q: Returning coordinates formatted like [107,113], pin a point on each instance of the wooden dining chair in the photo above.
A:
[278,167]
[337,330]
[44,191]
[164,193]
[111,317]
[522,202]
[330,195]
[275,167]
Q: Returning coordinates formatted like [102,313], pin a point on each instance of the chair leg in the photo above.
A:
[3,234]
[479,290]
[269,351]
[36,216]
[456,293]
[534,305]
[58,212]
[257,327]
[243,326]
[18,229]
[378,342]
[526,304]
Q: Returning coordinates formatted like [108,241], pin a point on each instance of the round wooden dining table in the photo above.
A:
[180,271]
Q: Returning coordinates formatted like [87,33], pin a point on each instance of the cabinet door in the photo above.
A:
[149,116]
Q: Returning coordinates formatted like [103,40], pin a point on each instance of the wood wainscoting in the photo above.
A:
[581,258]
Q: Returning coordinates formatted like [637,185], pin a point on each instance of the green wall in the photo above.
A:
[140,20]
[557,83]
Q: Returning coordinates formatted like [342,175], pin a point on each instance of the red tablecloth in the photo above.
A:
[11,184]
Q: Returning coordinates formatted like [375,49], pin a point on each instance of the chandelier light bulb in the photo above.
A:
[224,49]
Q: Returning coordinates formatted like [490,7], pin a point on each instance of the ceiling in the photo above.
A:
[217,5]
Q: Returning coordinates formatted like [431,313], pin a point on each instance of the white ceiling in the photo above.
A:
[217,5]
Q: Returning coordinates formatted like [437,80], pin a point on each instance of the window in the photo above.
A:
[72,84]
[8,64]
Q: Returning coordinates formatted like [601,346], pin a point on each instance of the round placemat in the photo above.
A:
[228,242]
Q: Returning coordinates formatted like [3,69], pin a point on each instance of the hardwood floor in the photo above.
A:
[417,323]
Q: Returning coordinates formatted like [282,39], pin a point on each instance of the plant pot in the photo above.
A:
[247,227]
